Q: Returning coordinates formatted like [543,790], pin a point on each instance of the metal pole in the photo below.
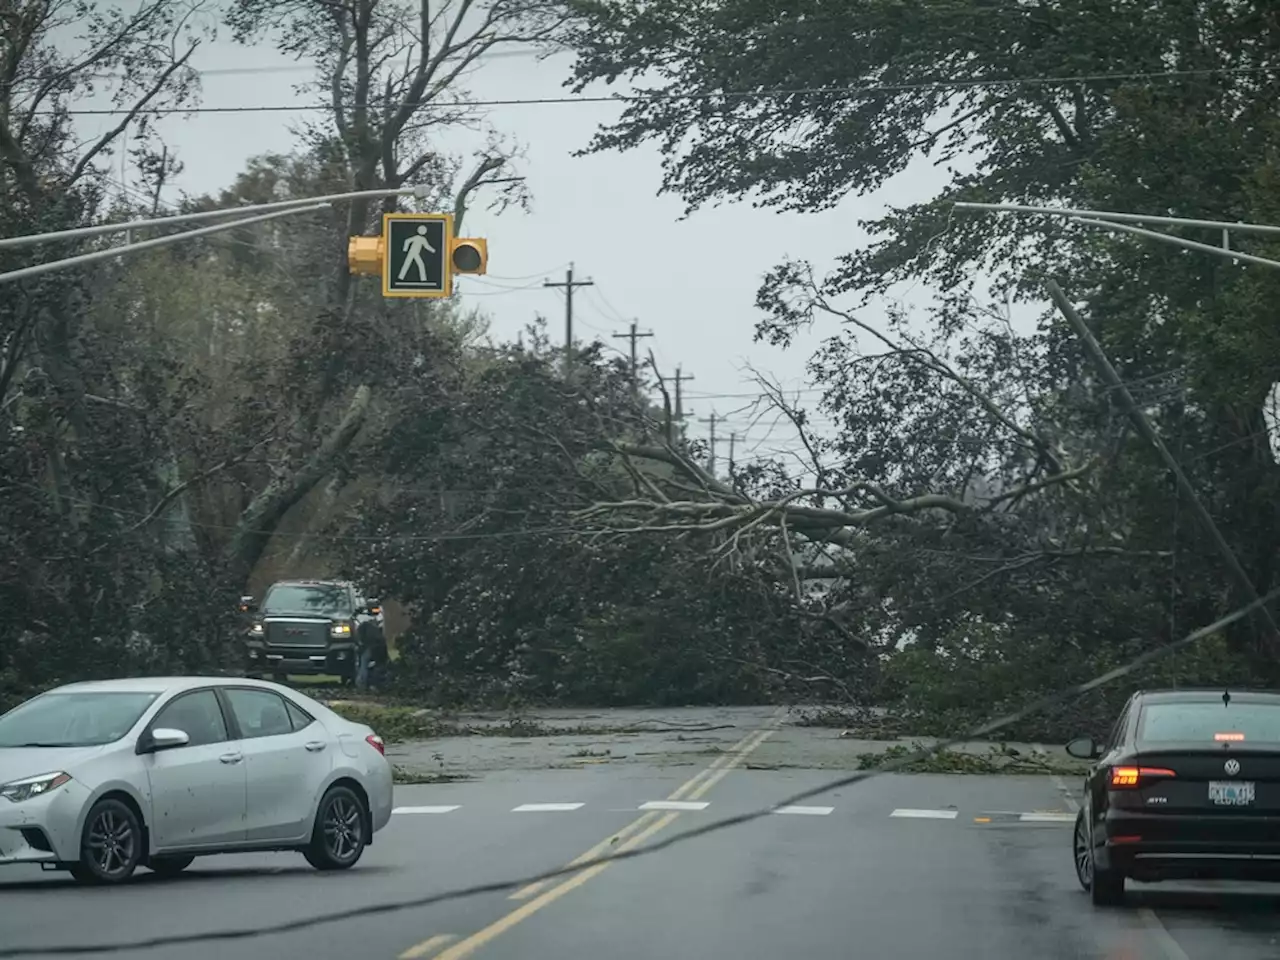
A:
[1148,433]
[106,228]
[113,252]
[1123,217]
[1178,241]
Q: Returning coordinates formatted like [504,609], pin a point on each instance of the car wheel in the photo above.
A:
[1081,852]
[339,836]
[170,866]
[111,844]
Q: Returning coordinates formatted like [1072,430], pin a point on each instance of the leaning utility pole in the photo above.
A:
[569,285]
[711,449]
[633,336]
[1108,373]
[679,379]
[733,440]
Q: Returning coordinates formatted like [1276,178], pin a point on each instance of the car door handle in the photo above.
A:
[231,757]
[315,746]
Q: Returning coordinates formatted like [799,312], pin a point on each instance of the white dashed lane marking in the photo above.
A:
[675,805]
[547,807]
[695,806]
[925,814]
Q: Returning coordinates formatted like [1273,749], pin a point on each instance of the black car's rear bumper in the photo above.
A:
[1193,847]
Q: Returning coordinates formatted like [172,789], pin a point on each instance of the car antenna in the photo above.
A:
[1226,698]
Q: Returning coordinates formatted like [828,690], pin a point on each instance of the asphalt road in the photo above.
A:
[899,866]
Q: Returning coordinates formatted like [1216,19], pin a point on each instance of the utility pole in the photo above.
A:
[569,285]
[733,441]
[711,458]
[680,378]
[1098,358]
[633,336]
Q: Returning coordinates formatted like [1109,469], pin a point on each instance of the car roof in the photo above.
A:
[1206,695]
[160,684]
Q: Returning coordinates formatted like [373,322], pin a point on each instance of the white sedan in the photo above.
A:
[100,778]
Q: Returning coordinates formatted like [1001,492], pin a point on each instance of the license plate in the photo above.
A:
[1231,793]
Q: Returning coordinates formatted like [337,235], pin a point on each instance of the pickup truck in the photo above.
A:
[311,627]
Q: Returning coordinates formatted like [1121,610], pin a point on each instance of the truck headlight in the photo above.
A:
[340,631]
[256,630]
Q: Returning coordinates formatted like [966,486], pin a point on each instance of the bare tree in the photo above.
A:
[393,76]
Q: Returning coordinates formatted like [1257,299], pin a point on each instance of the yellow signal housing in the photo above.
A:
[364,255]
[469,255]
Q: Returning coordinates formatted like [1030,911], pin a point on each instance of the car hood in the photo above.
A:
[19,762]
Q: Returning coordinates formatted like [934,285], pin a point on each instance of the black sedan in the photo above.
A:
[1186,787]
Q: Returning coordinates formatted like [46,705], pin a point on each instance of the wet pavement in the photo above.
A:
[947,866]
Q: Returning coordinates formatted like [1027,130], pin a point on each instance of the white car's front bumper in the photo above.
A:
[44,829]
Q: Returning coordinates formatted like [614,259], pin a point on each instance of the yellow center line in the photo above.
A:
[692,789]
[603,846]
[426,946]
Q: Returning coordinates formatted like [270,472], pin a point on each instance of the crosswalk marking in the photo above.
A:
[425,809]
[806,811]
[925,814]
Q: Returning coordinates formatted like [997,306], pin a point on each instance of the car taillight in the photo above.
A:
[1128,778]
[375,741]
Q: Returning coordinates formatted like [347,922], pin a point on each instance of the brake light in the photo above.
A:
[375,741]
[1125,778]
[1228,737]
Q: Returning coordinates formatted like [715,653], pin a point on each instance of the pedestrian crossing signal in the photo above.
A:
[417,255]
[470,255]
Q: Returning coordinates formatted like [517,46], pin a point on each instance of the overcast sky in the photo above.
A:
[691,282]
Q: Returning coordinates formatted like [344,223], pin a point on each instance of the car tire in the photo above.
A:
[340,833]
[111,844]
[169,866]
[1105,887]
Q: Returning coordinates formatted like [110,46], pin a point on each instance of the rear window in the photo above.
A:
[1230,723]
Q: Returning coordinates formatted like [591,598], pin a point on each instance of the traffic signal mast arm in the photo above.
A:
[113,252]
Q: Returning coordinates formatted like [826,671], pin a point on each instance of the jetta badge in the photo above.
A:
[1232,767]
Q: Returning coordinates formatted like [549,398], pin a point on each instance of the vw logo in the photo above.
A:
[1232,767]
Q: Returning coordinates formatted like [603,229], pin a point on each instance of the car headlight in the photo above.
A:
[340,630]
[256,630]
[19,790]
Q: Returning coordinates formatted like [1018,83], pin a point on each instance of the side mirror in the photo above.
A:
[247,605]
[1084,748]
[162,738]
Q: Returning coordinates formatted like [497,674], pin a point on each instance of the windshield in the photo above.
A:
[1236,721]
[73,719]
[325,599]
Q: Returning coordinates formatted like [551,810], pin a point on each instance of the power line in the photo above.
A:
[838,93]
[501,886]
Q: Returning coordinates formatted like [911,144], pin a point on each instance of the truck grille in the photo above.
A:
[297,633]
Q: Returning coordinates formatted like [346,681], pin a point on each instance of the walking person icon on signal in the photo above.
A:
[413,248]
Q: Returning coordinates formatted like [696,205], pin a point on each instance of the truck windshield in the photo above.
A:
[319,599]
